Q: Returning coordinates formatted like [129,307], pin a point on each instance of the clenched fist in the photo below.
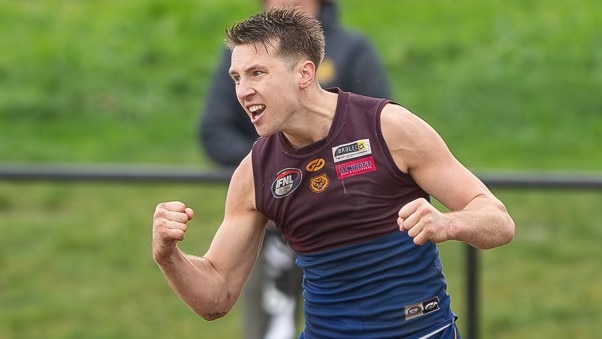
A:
[169,226]
[423,222]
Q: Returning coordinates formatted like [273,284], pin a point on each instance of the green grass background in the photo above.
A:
[511,85]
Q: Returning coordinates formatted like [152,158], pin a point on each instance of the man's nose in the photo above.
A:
[243,89]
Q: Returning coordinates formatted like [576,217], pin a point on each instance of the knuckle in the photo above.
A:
[419,241]
[164,232]
[423,209]
[178,205]
[158,222]
[428,232]
[182,217]
[170,206]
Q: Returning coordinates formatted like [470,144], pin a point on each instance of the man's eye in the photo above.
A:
[257,73]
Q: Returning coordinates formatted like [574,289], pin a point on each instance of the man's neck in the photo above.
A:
[314,120]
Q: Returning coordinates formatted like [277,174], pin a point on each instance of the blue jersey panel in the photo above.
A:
[387,287]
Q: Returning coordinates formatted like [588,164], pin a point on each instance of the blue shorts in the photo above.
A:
[450,332]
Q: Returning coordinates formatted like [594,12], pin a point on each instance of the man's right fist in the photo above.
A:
[169,226]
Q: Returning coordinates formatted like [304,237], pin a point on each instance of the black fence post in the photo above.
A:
[472,293]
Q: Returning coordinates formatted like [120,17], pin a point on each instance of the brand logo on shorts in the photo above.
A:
[286,182]
[421,308]
[319,184]
[351,150]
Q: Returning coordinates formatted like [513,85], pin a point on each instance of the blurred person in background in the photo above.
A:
[270,300]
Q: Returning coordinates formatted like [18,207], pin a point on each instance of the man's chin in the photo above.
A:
[263,133]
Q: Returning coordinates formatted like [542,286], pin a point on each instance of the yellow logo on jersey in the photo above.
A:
[319,184]
[315,165]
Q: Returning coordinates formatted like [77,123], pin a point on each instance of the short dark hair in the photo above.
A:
[292,32]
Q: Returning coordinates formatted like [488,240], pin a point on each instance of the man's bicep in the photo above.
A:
[236,246]
[419,150]
[450,183]
[238,240]
[443,176]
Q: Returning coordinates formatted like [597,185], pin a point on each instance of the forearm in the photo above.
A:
[484,223]
[199,284]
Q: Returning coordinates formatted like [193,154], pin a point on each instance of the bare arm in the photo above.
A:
[211,284]
[476,216]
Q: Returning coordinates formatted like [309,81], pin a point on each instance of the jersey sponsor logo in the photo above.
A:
[351,150]
[315,165]
[421,308]
[355,167]
[286,182]
[320,183]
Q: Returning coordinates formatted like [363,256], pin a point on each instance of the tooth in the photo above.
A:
[255,108]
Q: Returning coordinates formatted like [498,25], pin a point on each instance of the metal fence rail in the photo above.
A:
[112,173]
[163,173]
[185,174]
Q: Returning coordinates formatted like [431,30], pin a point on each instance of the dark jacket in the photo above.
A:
[351,63]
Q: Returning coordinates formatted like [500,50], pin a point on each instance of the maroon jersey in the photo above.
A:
[339,191]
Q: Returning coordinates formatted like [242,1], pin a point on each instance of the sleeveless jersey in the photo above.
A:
[336,203]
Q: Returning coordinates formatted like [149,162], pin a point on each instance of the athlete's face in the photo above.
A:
[266,86]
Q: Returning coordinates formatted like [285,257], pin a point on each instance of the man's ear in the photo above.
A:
[307,72]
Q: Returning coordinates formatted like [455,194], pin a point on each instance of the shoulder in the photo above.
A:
[409,138]
[244,172]
[242,186]
[399,116]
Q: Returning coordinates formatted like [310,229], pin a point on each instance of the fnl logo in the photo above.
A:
[286,182]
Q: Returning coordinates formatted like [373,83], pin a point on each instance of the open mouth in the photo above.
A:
[256,110]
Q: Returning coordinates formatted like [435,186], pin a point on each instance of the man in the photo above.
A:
[351,63]
[270,297]
[346,179]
